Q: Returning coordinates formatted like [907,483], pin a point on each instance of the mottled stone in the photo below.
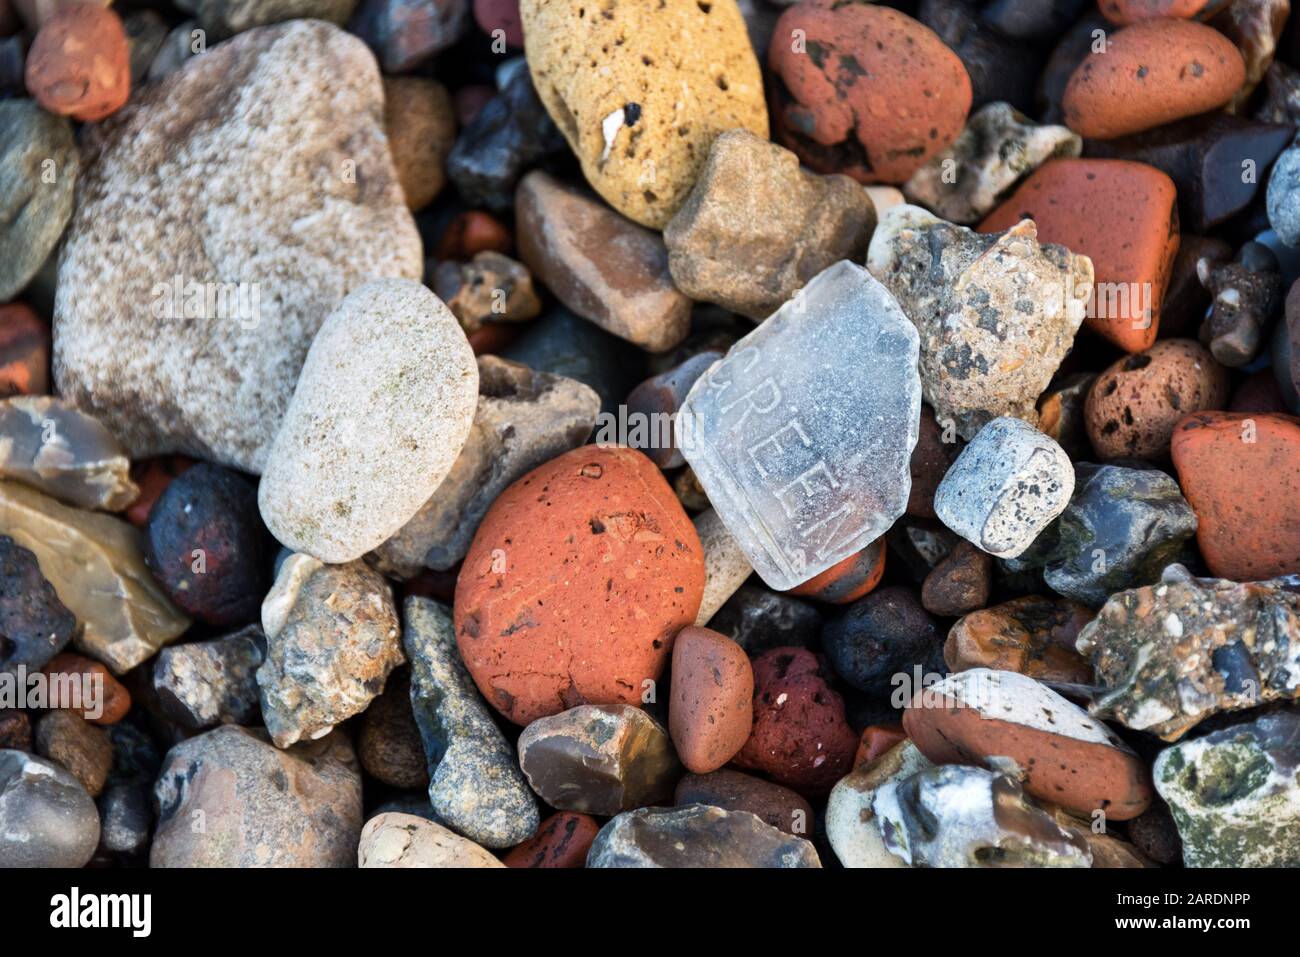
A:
[221,289]
[95,565]
[475,786]
[489,288]
[1245,296]
[1170,655]
[735,791]
[34,208]
[1032,635]
[421,129]
[260,806]
[792,486]
[563,841]
[205,683]
[524,418]
[996,313]
[382,408]
[388,742]
[960,583]
[756,227]
[600,759]
[225,18]
[86,687]
[1007,485]
[79,64]
[405,34]
[1155,834]
[34,624]
[697,836]
[605,268]
[998,147]
[851,825]
[955,816]
[47,444]
[1283,196]
[332,637]
[46,816]
[403,840]
[1233,793]
[15,730]
[75,744]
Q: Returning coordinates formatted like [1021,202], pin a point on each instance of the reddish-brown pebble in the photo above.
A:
[800,737]
[492,337]
[736,791]
[711,708]
[1150,74]
[24,352]
[79,64]
[848,580]
[1133,406]
[1241,475]
[1033,635]
[503,15]
[960,583]
[1124,12]
[876,740]
[1123,216]
[114,701]
[867,90]
[471,233]
[15,730]
[562,841]
[153,476]
[577,580]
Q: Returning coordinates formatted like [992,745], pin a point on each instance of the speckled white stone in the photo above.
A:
[384,404]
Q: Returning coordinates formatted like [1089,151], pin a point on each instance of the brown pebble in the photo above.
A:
[80,64]
[102,698]
[736,791]
[711,709]
[85,750]
[960,583]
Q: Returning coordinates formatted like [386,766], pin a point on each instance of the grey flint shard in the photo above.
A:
[523,418]
[256,188]
[996,313]
[475,784]
[802,435]
[756,226]
[696,836]
[1007,485]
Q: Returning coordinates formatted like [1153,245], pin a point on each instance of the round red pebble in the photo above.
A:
[578,579]
[711,708]
[79,64]
[1240,472]
[101,695]
[562,841]
[24,352]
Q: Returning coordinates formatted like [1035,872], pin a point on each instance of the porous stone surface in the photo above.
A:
[641,143]
[33,212]
[201,684]
[696,836]
[35,624]
[382,408]
[46,816]
[996,314]
[475,784]
[1169,655]
[523,419]
[756,226]
[221,208]
[998,147]
[404,840]
[1007,485]
[1233,793]
[260,806]
[793,487]
[332,637]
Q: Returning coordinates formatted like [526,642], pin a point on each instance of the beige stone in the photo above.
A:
[421,128]
[404,840]
[725,564]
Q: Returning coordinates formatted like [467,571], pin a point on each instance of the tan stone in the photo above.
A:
[404,840]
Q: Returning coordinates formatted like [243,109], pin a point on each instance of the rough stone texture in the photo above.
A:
[1172,654]
[524,419]
[725,566]
[864,90]
[756,227]
[1013,724]
[96,567]
[1246,294]
[34,624]
[15,730]
[75,744]
[382,409]
[389,745]
[577,580]
[599,759]
[1007,485]
[960,583]
[52,447]
[710,713]
[851,826]
[47,817]
[1120,530]
[224,203]
[79,64]
[996,314]
[998,147]
[563,840]
[421,130]
[1032,635]
[696,836]
[954,816]
[33,212]
[603,267]
[403,840]
[1233,794]
[332,637]
[490,288]
[735,791]
[475,786]
[883,634]
[205,683]
[793,487]
[641,143]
